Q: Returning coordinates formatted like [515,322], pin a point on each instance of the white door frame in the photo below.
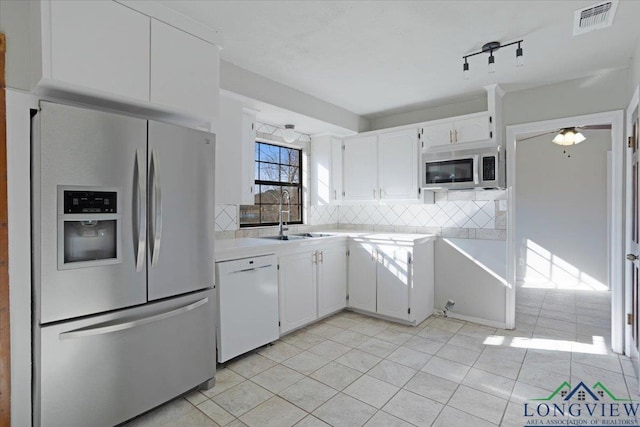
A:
[627,282]
[616,182]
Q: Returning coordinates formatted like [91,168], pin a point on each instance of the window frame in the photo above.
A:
[281,184]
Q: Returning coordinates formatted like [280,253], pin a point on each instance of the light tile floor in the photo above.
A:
[353,370]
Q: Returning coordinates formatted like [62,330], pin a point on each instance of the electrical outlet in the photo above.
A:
[502,205]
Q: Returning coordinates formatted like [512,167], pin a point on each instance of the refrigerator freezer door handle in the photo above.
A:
[157,211]
[140,215]
[101,330]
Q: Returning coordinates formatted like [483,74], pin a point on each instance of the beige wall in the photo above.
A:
[605,92]
[561,210]
[634,72]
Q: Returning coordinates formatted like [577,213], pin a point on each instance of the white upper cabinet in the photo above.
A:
[235,142]
[139,57]
[381,168]
[398,165]
[184,71]
[455,133]
[248,142]
[326,170]
[360,173]
[472,129]
[100,45]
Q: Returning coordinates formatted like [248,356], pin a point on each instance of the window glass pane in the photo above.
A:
[289,174]
[296,213]
[294,194]
[269,194]
[289,156]
[250,214]
[275,169]
[269,214]
[269,153]
[269,172]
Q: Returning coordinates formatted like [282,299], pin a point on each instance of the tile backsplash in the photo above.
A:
[226,217]
[464,214]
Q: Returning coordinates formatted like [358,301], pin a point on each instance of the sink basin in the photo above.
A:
[286,237]
[312,235]
[297,236]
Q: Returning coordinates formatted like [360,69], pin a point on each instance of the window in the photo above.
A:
[277,169]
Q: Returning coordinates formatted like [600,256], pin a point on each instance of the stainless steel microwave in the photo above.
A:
[464,169]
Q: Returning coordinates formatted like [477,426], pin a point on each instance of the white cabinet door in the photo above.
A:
[438,135]
[98,45]
[362,275]
[394,280]
[360,179]
[248,143]
[184,71]
[471,129]
[332,279]
[335,194]
[297,290]
[398,165]
[229,155]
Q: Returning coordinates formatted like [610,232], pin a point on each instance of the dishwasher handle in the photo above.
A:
[251,269]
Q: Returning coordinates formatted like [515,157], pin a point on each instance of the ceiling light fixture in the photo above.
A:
[568,136]
[490,48]
[289,134]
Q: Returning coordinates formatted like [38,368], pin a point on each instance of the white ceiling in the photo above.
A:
[375,58]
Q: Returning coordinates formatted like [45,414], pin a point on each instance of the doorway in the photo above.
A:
[614,229]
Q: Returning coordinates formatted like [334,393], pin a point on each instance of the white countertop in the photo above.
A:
[228,249]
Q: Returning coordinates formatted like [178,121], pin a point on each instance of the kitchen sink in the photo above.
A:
[312,235]
[297,236]
[285,237]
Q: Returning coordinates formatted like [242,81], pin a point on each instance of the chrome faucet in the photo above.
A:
[284,227]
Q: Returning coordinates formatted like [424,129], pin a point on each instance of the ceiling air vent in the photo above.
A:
[595,17]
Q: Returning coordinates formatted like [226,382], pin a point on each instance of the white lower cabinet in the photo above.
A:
[297,290]
[362,275]
[332,278]
[393,278]
[312,283]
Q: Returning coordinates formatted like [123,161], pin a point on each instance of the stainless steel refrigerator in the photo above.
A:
[123,269]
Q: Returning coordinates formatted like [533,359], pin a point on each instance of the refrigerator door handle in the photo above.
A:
[101,330]
[140,212]
[156,236]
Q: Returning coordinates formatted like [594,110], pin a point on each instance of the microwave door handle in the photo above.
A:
[140,212]
[476,174]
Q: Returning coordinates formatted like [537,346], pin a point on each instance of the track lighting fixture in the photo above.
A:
[490,48]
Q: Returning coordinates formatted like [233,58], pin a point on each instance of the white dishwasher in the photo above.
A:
[247,305]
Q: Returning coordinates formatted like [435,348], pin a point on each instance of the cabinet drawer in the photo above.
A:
[103,370]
